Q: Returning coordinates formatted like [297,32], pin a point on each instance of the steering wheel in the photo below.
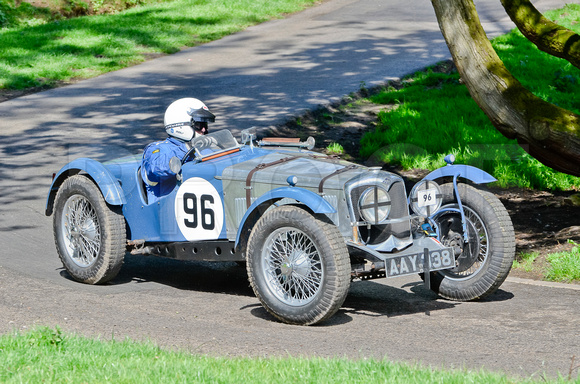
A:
[187,155]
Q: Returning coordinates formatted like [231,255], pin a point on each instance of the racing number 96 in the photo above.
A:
[206,214]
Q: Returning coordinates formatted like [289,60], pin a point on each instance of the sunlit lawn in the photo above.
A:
[43,55]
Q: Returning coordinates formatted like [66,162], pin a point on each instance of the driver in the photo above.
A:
[184,120]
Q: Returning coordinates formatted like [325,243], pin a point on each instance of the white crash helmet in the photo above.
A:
[184,115]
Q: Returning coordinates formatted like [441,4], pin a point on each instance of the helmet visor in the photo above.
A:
[201,115]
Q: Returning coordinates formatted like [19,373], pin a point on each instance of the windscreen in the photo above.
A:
[214,143]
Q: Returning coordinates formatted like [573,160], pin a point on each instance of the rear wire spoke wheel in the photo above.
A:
[298,265]
[82,231]
[484,261]
[89,234]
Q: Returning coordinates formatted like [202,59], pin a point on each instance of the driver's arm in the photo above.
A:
[156,161]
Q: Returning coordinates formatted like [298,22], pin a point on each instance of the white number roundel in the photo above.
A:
[199,210]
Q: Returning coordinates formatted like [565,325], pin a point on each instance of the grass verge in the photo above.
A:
[434,115]
[48,355]
[560,266]
[564,266]
[525,261]
[79,48]
[15,13]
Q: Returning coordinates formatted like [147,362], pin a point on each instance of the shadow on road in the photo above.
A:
[213,277]
[375,299]
[365,298]
[104,122]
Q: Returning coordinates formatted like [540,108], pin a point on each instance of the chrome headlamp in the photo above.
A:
[426,198]
[375,205]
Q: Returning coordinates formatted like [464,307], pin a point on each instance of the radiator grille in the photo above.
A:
[399,208]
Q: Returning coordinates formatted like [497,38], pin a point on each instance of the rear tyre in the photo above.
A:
[484,262]
[89,234]
[298,266]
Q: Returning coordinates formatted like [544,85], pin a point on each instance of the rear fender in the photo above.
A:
[109,186]
[313,201]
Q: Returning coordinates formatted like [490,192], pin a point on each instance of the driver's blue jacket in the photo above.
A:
[155,171]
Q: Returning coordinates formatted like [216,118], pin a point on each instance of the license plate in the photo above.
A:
[414,263]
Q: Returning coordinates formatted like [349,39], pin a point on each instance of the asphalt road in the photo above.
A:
[260,77]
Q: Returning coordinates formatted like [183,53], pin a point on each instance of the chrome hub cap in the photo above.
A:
[472,255]
[81,231]
[292,266]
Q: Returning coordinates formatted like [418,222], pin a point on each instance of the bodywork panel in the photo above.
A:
[255,178]
[461,170]
[216,195]
[101,175]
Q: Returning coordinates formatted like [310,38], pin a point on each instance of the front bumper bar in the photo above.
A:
[426,254]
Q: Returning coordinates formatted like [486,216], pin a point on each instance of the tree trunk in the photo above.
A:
[546,35]
[547,132]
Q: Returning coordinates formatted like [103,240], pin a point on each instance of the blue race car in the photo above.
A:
[306,224]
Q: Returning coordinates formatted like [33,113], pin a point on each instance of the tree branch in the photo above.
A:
[549,133]
[545,34]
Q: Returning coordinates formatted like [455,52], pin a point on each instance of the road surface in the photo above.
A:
[259,77]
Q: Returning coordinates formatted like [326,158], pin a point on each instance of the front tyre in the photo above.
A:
[89,234]
[484,261]
[298,266]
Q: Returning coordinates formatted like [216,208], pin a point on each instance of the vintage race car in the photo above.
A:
[306,224]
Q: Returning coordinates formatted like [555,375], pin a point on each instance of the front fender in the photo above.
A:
[476,175]
[109,186]
[313,201]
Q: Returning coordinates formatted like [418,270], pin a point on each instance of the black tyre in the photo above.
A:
[484,262]
[298,266]
[89,234]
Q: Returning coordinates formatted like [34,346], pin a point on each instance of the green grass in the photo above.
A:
[564,266]
[51,356]
[24,13]
[335,149]
[435,115]
[83,47]
[525,261]
[561,266]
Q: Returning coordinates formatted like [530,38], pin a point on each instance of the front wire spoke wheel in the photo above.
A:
[298,265]
[291,262]
[480,239]
[473,254]
[485,259]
